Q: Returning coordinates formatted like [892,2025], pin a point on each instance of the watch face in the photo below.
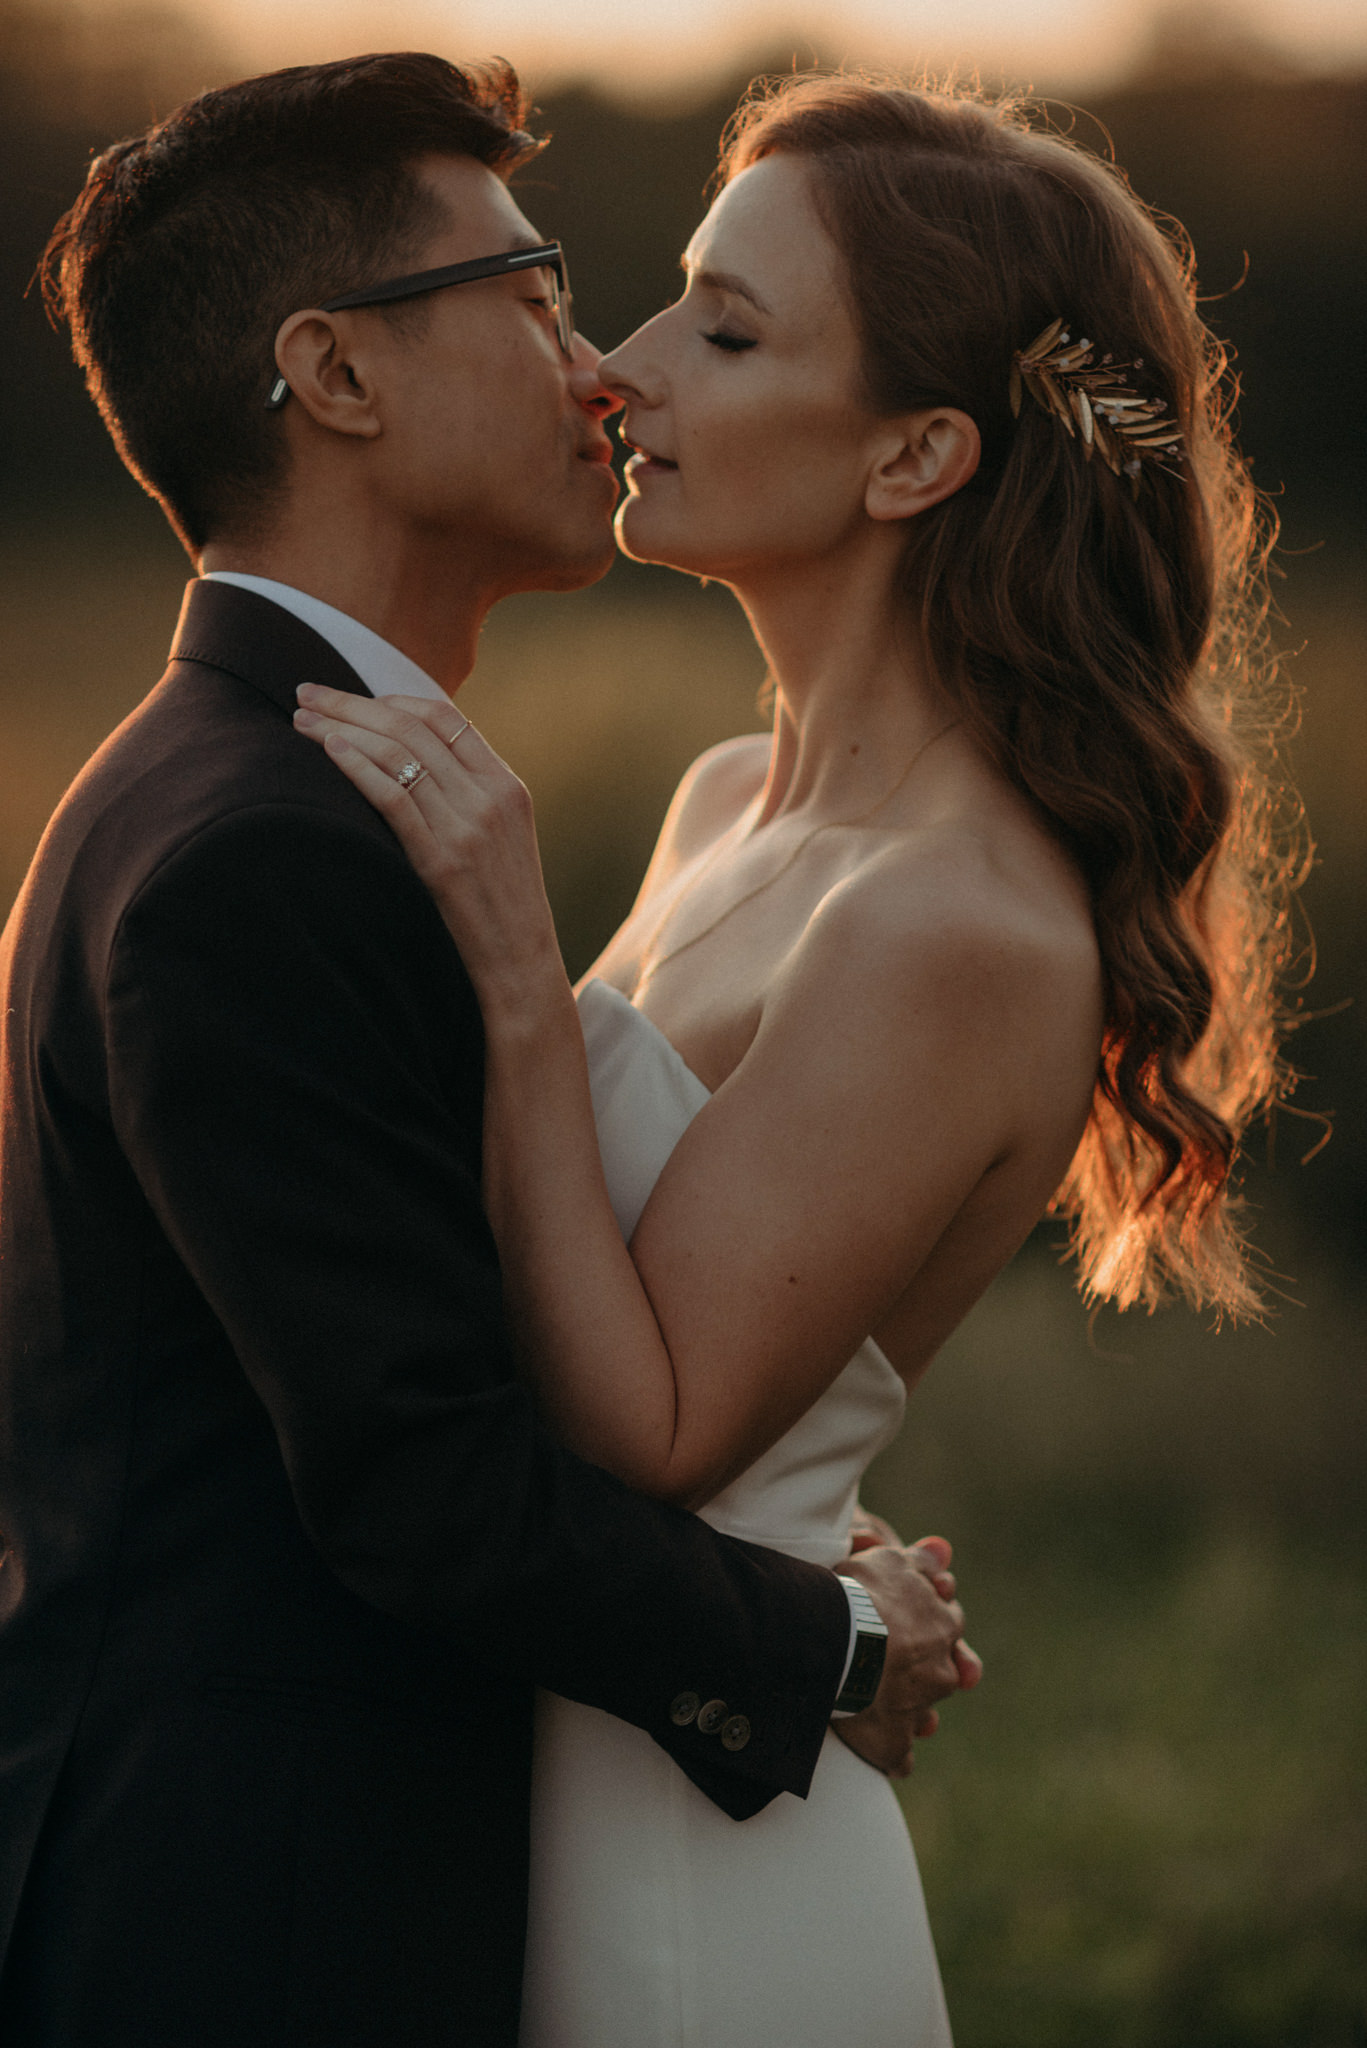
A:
[866,1669]
[870,1649]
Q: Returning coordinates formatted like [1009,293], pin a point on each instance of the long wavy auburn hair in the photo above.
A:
[1106,645]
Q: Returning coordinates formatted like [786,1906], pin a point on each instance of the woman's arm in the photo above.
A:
[800,1202]
[585,1329]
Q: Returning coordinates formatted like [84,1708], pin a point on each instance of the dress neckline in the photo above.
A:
[666,1048]
[667,1044]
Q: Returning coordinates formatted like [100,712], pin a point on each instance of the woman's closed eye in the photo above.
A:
[729,343]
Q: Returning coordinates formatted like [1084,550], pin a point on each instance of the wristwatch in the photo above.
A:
[870,1648]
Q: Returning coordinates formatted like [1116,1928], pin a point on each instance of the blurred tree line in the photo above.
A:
[1265,167]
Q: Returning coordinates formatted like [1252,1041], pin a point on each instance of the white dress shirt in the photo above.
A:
[386,673]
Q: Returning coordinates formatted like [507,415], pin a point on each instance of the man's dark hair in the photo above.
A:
[190,244]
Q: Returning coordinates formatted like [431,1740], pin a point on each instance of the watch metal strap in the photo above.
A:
[870,1649]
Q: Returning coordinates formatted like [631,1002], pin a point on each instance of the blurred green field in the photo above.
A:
[1149,1829]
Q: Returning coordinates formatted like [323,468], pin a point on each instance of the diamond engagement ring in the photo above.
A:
[410,775]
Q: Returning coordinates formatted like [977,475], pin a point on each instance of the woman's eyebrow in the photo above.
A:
[726,281]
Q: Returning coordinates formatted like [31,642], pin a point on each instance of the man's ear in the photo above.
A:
[924,458]
[323,360]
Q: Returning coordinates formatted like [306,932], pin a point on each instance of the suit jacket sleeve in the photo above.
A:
[295,1075]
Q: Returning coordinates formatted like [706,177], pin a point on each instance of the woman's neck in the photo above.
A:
[853,699]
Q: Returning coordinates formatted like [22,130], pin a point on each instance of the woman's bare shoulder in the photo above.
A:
[971,916]
[713,792]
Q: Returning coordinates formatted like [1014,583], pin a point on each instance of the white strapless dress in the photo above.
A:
[656,1921]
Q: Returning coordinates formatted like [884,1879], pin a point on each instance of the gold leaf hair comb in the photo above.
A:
[1095,402]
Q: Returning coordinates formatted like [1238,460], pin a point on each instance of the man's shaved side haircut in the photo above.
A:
[191,243]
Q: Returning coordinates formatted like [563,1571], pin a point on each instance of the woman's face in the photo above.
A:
[742,399]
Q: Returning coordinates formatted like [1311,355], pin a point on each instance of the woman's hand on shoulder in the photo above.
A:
[465,822]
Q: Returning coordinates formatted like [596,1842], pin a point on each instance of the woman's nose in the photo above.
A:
[628,369]
[586,383]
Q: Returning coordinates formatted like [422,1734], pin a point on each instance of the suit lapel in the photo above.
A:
[226,627]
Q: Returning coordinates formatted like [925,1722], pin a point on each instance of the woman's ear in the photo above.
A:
[925,457]
[318,356]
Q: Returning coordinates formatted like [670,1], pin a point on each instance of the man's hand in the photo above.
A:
[867,1530]
[927,1658]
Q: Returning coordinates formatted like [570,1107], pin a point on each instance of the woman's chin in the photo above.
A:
[632,532]
[639,543]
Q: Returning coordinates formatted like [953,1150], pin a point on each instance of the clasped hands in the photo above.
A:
[927,1658]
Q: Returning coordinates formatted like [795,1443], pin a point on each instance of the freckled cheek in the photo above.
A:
[765,469]
[736,451]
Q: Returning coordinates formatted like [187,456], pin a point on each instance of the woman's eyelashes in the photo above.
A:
[731,344]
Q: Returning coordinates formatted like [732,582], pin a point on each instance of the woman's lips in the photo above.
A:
[642,464]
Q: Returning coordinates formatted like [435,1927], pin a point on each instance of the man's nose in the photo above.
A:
[586,386]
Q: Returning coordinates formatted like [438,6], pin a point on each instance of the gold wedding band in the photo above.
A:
[463,730]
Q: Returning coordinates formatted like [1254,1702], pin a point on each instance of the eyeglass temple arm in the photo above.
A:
[419,281]
[452,273]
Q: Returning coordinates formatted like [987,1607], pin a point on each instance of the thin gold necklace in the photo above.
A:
[653,962]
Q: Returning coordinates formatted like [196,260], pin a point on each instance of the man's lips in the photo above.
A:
[597,456]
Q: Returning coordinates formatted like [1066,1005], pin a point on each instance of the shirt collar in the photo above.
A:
[381,667]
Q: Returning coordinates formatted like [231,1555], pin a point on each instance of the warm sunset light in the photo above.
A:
[1073,43]
[1013,841]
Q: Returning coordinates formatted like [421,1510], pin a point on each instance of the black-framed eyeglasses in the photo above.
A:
[548,256]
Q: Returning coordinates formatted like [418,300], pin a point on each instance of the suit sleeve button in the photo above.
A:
[736,1733]
[684,1709]
[711,1717]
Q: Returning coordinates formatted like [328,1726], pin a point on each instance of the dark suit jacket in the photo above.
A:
[286,1545]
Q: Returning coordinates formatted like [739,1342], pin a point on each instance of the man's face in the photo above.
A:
[491,441]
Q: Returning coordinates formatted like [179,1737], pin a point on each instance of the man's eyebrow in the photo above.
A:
[727,281]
